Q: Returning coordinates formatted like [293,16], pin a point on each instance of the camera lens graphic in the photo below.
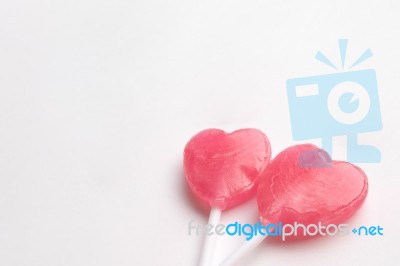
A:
[348,103]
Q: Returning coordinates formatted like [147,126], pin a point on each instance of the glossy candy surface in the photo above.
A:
[223,169]
[303,185]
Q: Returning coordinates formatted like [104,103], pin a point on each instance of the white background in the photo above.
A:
[98,98]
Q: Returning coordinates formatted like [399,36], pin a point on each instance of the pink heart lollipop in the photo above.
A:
[223,169]
[290,191]
[303,185]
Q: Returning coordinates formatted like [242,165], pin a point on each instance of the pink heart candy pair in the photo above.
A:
[224,169]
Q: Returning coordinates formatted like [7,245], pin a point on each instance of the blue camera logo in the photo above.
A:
[344,103]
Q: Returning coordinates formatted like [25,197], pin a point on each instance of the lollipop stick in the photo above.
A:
[243,249]
[209,239]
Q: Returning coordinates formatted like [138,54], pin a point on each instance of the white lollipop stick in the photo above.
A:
[209,240]
[243,249]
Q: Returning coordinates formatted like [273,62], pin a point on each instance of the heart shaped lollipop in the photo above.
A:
[291,190]
[303,185]
[223,169]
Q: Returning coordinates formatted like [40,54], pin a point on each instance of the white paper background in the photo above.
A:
[98,98]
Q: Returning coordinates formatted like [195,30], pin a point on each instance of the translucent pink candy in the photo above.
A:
[291,192]
[223,169]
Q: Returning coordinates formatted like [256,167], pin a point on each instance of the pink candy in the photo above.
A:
[290,191]
[223,169]
[301,185]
